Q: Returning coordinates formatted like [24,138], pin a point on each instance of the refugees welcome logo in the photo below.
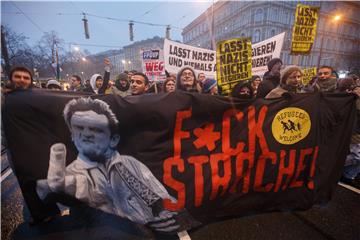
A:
[291,125]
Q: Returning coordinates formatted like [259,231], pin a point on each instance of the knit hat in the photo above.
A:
[285,73]
[272,62]
[209,83]
[53,82]
[122,76]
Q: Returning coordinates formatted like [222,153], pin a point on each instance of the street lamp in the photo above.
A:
[335,19]
[84,59]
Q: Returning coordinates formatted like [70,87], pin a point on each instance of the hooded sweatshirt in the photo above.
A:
[92,88]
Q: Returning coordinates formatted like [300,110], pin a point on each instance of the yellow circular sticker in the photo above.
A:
[291,125]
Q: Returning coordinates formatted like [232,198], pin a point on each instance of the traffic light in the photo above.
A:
[167,32]
[131,31]
[86,27]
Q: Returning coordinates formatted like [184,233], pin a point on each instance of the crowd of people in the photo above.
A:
[279,79]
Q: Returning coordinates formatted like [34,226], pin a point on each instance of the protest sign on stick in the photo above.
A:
[153,64]
[233,61]
[178,55]
[304,29]
[309,73]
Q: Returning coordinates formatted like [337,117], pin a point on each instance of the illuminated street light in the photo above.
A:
[123,61]
[129,62]
[76,48]
[337,18]
[84,59]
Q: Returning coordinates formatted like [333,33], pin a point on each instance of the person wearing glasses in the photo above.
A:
[186,80]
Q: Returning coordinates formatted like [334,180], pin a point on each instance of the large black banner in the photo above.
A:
[175,161]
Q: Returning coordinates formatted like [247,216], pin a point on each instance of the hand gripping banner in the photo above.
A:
[175,161]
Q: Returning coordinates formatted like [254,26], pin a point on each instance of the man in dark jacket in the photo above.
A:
[271,78]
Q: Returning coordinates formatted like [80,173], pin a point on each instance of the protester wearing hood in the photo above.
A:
[210,86]
[98,84]
[242,90]
[290,81]
[122,85]
[271,78]
[186,80]
[52,84]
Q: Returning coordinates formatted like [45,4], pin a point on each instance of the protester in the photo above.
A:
[121,86]
[20,78]
[255,81]
[98,85]
[290,81]
[325,81]
[53,85]
[139,83]
[169,85]
[75,84]
[201,80]
[210,86]
[271,78]
[242,90]
[352,162]
[100,176]
[186,80]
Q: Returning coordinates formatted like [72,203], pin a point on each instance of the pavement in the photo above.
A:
[340,219]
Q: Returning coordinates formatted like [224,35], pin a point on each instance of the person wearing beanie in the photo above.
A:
[20,78]
[52,84]
[122,85]
[210,86]
[271,78]
[290,81]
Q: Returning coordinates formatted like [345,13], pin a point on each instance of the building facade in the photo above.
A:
[337,42]
[117,62]
[132,52]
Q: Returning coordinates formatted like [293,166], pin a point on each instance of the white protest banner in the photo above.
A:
[153,64]
[178,55]
[264,51]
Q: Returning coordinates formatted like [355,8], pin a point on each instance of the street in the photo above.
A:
[340,219]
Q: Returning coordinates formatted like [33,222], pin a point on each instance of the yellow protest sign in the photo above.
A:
[304,29]
[233,63]
[309,73]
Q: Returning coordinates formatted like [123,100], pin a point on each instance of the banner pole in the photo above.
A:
[183,235]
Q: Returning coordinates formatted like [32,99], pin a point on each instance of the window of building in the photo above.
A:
[272,32]
[259,15]
[256,36]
